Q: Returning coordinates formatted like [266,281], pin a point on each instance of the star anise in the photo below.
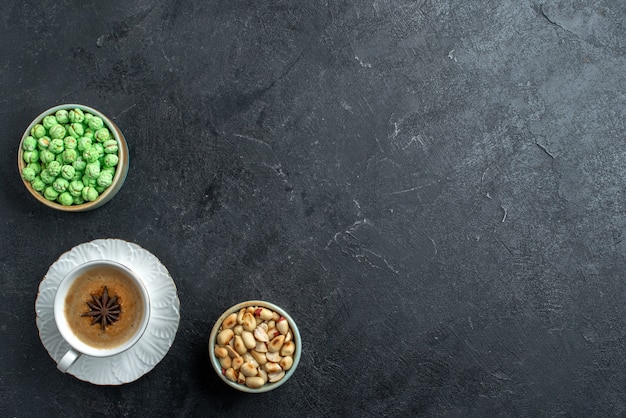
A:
[104,310]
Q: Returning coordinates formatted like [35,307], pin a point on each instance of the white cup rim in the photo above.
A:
[61,322]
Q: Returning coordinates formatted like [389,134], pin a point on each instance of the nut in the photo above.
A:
[225,336]
[255,346]
[230,321]
[248,339]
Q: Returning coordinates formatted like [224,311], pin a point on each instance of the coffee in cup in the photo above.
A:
[101,309]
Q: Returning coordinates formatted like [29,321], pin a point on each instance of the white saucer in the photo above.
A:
[164,313]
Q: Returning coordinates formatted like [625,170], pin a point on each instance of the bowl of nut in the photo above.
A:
[73,158]
[255,346]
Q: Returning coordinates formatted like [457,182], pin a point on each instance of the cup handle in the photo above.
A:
[68,359]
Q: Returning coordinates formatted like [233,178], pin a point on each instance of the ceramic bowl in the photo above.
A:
[120,172]
[267,386]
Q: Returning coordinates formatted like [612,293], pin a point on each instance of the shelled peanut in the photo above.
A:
[255,346]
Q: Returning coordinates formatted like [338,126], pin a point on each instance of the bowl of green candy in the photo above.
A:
[73,158]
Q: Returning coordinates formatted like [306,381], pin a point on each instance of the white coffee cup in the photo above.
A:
[80,347]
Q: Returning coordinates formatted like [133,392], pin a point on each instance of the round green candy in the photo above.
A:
[29,144]
[89,193]
[88,181]
[56,146]
[76,130]
[65,199]
[79,164]
[107,169]
[70,142]
[60,184]
[78,175]
[46,176]
[100,189]
[46,156]
[59,158]
[69,156]
[110,146]
[110,160]
[105,179]
[49,121]
[95,123]
[54,168]
[76,115]
[56,131]
[38,131]
[83,143]
[43,142]
[75,188]
[50,193]
[78,200]
[99,149]
[31,156]
[38,184]
[35,166]
[62,116]
[28,174]
[93,170]
[102,134]
[91,155]
[68,172]
[89,133]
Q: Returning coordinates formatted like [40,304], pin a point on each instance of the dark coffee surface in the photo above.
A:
[433,189]
[118,285]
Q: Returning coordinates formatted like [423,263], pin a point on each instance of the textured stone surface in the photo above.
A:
[433,190]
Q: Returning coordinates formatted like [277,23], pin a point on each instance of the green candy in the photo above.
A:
[76,115]
[35,166]
[99,148]
[105,179]
[38,131]
[68,172]
[31,156]
[60,184]
[89,181]
[69,156]
[70,142]
[76,130]
[46,176]
[89,133]
[66,199]
[29,144]
[38,184]
[79,164]
[56,131]
[49,121]
[50,194]
[100,189]
[75,188]
[78,200]
[83,143]
[95,123]
[56,146]
[91,155]
[102,134]
[43,142]
[89,193]
[93,170]
[110,160]
[110,146]
[62,116]
[28,174]
[54,168]
[46,156]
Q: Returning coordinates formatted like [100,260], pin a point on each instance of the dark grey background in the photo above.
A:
[432,189]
